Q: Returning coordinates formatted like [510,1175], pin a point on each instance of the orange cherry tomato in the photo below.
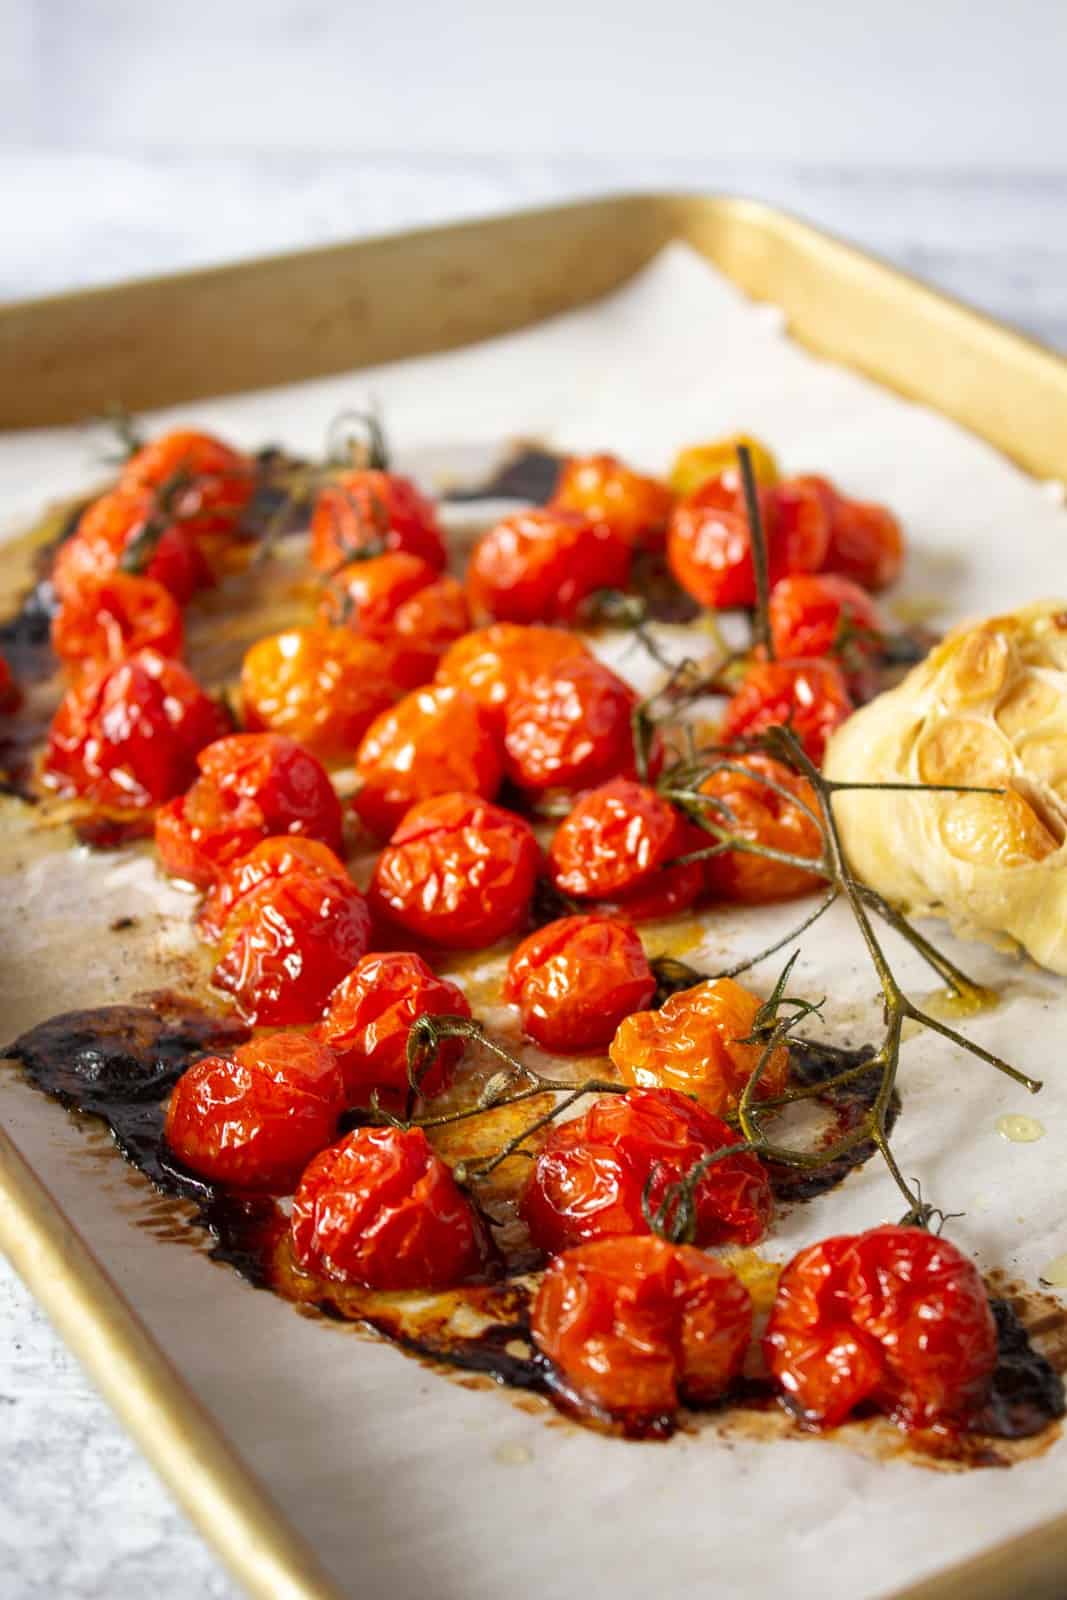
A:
[710,551]
[458,872]
[321,686]
[809,696]
[128,525]
[866,542]
[115,617]
[369,1017]
[821,615]
[288,943]
[615,846]
[126,737]
[366,594]
[595,1174]
[221,483]
[539,566]
[495,663]
[635,1327]
[368,511]
[434,741]
[895,1317]
[257,1117]
[266,861]
[383,1210]
[251,785]
[570,728]
[766,816]
[575,979]
[694,1044]
[604,489]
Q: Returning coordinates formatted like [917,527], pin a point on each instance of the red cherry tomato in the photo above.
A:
[115,617]
[257,1117]
[368,512]
[126,737]
[10,693]
[321,686]
[369,1018]
[594,1175]
[808,696]
[570,728]
[539,566]
[287,944]
[383,1210]
[458,872]
[708,544]
[495,663]
[614,846]
[763,815]
[265,862]
[634,1327]
[574,981]
[824,615]
[434,741]
[606,490]
[403,601]
[866,543]
[221,480]
[117,527]
[896,1318]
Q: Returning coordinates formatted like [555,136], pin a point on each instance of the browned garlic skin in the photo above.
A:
[987,707]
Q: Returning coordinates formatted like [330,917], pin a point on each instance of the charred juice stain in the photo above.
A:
[846,1104]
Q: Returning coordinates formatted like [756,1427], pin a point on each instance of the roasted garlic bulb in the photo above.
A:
[987,707]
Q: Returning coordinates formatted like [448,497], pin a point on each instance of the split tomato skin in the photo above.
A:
[767,816]
[104,621]
[810,696]
[709,547]
[594,1174]
[896,1317]
[604,489]
[383,1211]
[368,511]
[434,741]
[570,728]
[255,1119]
[458,873]
[266,861]
[635,1326]
[575,979]
[541,565]
[496,662]
[617,846]
[368,1021]
[322,687]
[108,527]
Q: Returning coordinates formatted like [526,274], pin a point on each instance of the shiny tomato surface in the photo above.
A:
[381,1209]
[710,550]
[366,595]
[698,464]
[604,489]
[404,602]
[570,728]
[809,696]
[575,979]
[764,815]
[368,1020]
[128,526]
[256,1118]
[615,846]
[266,861]
[896,1318]
[594,1174]
[221,481]
[367,512]
[434,741]
[496,662]
[321,686]
[107,620]
[539,566]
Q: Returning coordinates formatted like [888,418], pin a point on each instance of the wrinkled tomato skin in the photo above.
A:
[575,979]
[866,543]
[693,1044]
[570,728]
[896,1317]
[256,1118]
[764,816]
[823,614]
[604,489]
[458,873]
[434,741]
[614,847]
[265,862]
[287,944]
[369,1017]
[635,1326]
[382,1210]
[710,552]
[594,1174]
[321,686]
[127,736]
[107,527]
[539,566]
[106,621]
[366,510]
[499,661]
[809,696]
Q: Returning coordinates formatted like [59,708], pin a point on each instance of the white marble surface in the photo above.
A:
[81,1515]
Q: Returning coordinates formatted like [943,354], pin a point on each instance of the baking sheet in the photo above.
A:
[398,1476]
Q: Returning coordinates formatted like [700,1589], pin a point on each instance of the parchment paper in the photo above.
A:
[404,1481]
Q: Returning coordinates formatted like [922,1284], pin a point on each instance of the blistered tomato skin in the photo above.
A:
[710,551]
[369,1017]
[693,1044]
[255,1119]
[570,728]
[322,687]
[616,846]
[368,512]
[494,663]
[539,566]
[382,1210]
[634,1327]
[764,815]
[434,741]
[604,489]
[575,979]
[897,1318]
[104,621]
[593,1174]
[265,862]
[458,873]
[810,696]
[108,532]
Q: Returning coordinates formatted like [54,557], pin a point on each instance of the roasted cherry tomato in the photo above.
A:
[286,946]
[458,872]
[570,728]
[495,663]
[866,543]
[763,815]
[821,615]
[896,1318]
[251,785]
[369,1017]
[383,1210]
[127,530]
[403,600]
[698,464]
[367,512]
[321,686]
[604,489]
[265,862]
[115,617]
[434,741]
[635,1326]
[221,481]
[709,548]
[596,1176]
[126,737]
[808,696]
[694,1044]
[539,566]
[257,1117]
[615,846]
[574,981]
